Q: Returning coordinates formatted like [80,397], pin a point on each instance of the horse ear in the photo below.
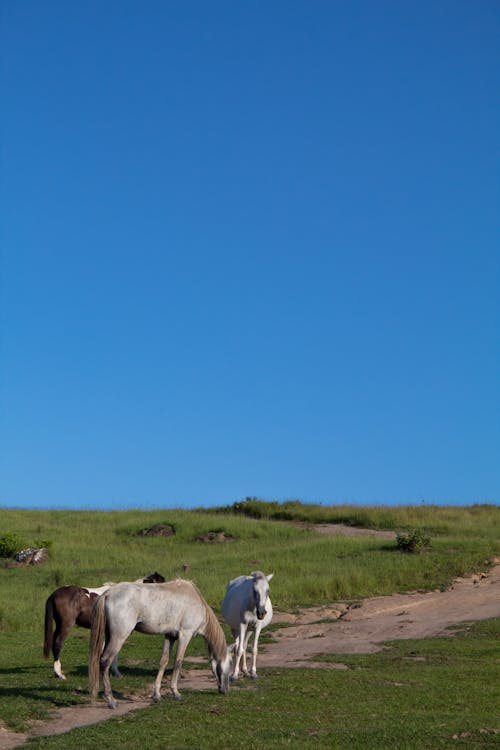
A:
[269,576]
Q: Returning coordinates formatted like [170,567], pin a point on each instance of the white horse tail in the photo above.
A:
[97,630]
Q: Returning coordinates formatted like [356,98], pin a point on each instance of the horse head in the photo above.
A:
[260,592]
[221,669]
[153,578]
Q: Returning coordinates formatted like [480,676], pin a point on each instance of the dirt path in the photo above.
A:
[339,629]
[363,628]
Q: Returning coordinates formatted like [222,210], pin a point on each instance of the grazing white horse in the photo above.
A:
[247,606]
[176,609]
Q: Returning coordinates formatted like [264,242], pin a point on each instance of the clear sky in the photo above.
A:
[249,248]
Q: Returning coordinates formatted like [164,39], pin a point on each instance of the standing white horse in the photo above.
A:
[247,606]
[176,609]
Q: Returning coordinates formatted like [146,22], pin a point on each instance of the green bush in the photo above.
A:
[414,541]
[10,544]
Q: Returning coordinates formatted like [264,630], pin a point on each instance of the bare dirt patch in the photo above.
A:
[363,628]
[342,628]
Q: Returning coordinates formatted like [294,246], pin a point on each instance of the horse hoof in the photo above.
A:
[156,698]
[234,678]
[254,676]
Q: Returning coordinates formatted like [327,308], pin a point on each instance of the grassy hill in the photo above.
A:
[89,548]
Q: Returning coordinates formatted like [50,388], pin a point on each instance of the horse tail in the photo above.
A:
[97,630]
[49,620]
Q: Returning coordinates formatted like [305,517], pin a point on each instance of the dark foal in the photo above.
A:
[72,605]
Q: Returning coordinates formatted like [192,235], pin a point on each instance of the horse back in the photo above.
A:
[156,608]
[238,605]
[84,617]
[238,600]
[73,604]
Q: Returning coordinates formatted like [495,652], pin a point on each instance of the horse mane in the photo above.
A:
[213,633]
[257,575]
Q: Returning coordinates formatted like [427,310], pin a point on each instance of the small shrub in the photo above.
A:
[415,541]
[10,544]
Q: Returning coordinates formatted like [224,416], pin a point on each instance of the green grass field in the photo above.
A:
[414,694]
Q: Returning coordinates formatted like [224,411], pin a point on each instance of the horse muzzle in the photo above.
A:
[261,613]
[224,685]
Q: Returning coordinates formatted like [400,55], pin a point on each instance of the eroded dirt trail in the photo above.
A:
[364,628]
[339,629]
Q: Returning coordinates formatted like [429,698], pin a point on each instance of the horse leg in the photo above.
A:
[169,640]
[182,644]
[244,667]
[258,628]
[110,652]
[234,651]
[60,634]
[114,667]
[108,693]
[239,649]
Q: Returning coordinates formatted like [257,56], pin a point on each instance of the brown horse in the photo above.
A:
[72,605]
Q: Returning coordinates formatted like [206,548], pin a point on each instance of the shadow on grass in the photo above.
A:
[125,671]
[40,693]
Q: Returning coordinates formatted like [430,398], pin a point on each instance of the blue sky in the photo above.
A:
[249,249]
